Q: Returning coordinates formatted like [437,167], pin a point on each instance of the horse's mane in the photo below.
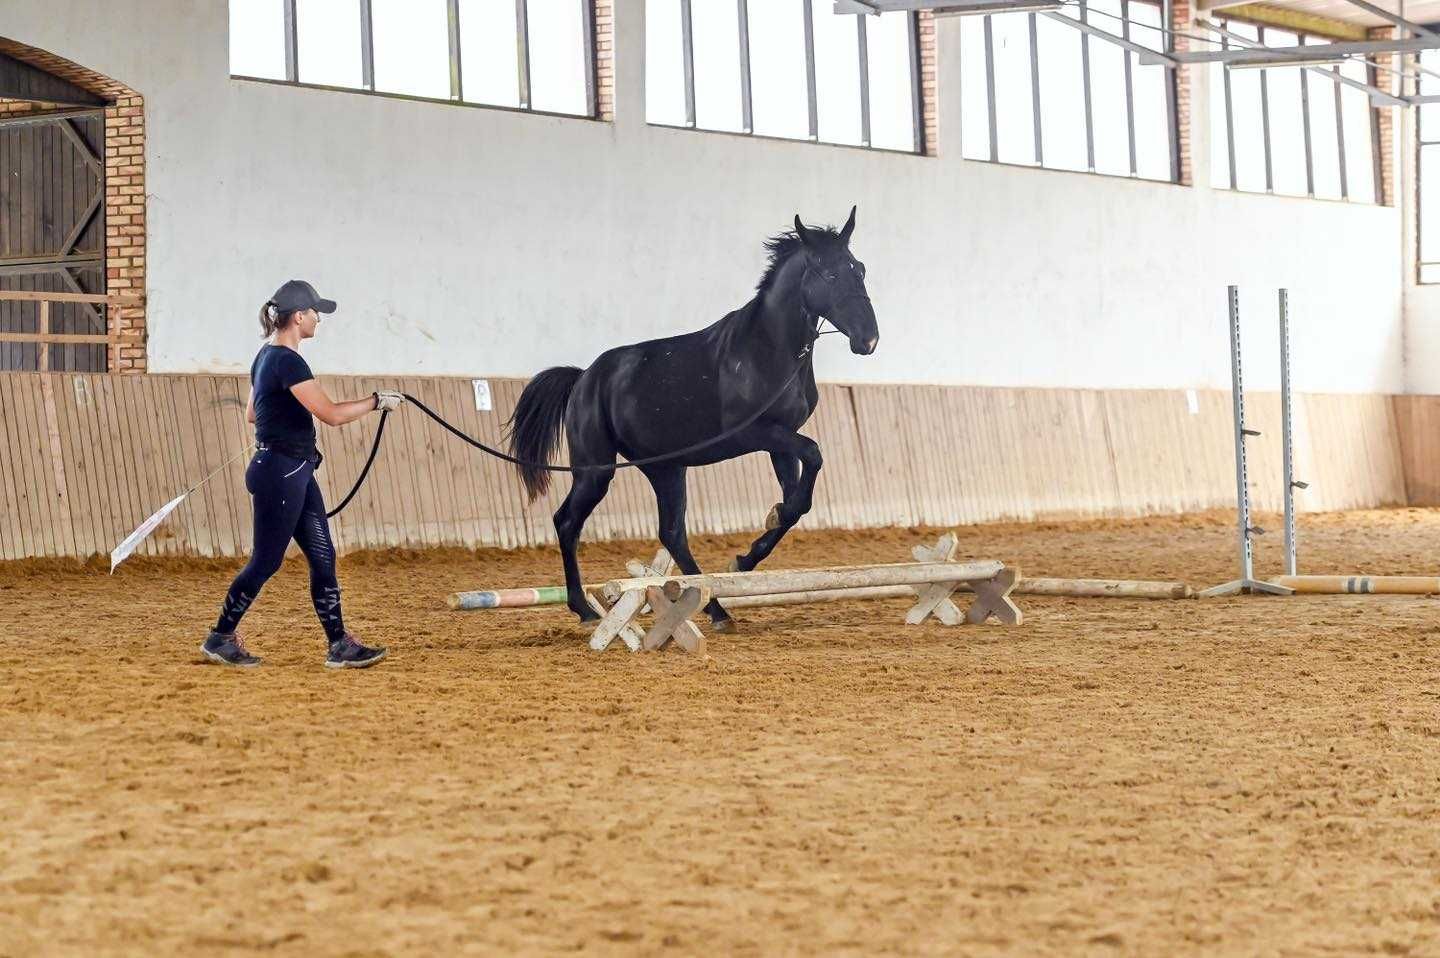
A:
[784,245]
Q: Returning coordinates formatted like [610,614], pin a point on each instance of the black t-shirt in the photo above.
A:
[280,420]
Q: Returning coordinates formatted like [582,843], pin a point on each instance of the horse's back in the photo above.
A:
[649,397]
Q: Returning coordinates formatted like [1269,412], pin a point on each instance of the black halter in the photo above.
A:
[819,320]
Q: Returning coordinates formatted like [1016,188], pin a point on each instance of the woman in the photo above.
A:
[284,397]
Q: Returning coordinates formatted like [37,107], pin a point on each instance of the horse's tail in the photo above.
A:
[534,429]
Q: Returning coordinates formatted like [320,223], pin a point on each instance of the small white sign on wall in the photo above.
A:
[1191,397]
[482,394]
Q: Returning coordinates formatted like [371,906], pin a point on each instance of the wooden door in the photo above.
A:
[52,232]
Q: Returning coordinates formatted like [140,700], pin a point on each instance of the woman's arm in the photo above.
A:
[250,407]
[331,413]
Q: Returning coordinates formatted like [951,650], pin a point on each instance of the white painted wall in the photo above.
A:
[1422,339]
[470,241]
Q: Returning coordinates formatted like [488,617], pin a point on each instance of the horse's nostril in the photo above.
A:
[871,343]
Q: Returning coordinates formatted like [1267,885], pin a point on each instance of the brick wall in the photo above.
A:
[1385,120]
[1180,23]
[124,187]
[605,60]
[18,107]
[929,86]
[125,220]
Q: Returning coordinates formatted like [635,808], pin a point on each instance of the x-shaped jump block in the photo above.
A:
[992,596]
[672,604]
[660,566]
[627,631]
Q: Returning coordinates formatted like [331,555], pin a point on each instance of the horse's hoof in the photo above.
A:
[772,521]
[734,565]
[725,626]
[588,617]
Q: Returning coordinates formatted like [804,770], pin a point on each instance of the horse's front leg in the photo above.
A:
[786,447]
[669,485]
[787,470]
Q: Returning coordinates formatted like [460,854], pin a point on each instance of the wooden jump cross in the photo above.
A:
[935,577]
[992,596]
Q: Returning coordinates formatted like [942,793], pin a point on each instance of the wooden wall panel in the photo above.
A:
[894,455]
[1418,426]
[1354,449]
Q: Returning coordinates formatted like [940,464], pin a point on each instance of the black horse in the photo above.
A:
[667,395]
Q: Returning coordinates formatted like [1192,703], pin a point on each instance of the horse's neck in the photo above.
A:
[779,316]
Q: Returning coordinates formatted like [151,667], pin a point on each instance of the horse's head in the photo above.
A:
[834,285]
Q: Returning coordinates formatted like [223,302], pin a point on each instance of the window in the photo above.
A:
[257,39]
[490,65]
[1427,139]
[558,58]
[783,68]
[1037,91]
[1295,131]
[718,103]
[412,47]
[1014,105]
[778,79]
[329,33]
[837,77]
[522,54]
[1150,86]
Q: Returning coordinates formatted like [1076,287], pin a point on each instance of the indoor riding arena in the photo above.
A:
[740,477]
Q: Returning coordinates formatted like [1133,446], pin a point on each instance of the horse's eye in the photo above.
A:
[830,277]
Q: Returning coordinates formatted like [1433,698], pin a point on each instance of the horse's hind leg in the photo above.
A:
[586,492]
[669,485]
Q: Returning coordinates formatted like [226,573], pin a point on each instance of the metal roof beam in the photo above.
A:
[1393,18]
[1296,21]
[875,7]
[1378,96]
[1279,54]
[1109,37]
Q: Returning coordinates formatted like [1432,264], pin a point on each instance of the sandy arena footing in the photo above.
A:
[1248,775]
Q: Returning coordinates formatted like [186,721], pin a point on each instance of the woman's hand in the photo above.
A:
[387,400]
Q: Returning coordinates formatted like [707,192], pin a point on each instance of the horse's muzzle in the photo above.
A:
[864,347]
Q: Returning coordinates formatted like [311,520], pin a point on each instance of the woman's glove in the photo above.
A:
[387,400]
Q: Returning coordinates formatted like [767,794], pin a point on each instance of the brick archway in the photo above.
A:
[124,182]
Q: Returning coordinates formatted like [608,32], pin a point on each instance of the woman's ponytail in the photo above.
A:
[271,319]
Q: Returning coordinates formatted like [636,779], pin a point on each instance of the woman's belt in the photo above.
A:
[295,450]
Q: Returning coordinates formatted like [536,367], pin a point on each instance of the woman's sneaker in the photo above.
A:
[346,653]
[225,648]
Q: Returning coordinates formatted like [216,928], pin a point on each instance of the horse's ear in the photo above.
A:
[801,231]
[849,227]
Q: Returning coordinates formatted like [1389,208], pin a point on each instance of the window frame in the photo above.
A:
[1373,120]
[1420,145]
[687,66]
[290,39]
[1087,30]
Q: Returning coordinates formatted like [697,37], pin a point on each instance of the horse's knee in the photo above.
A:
[811,459]
[788,514]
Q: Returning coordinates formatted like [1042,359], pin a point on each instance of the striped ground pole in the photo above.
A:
[508,598]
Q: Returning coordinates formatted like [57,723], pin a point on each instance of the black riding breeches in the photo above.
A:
[288,505]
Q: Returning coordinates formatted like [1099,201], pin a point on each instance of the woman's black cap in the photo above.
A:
[298,294]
